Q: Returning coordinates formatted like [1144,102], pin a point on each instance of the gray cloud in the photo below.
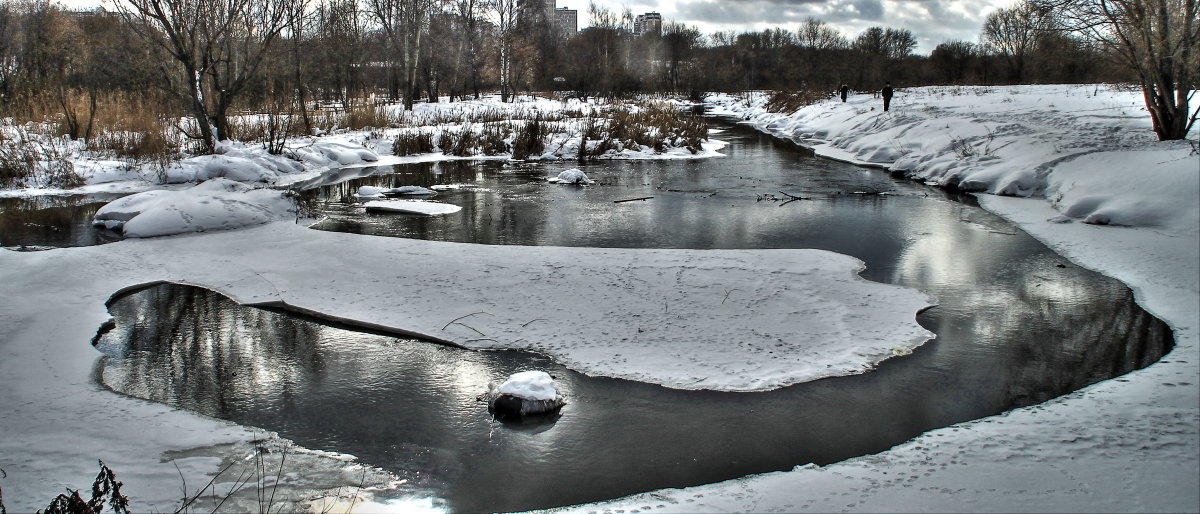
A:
[779,12]
[931,21]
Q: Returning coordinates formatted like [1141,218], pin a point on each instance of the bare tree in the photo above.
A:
[1158,39]
[340,41]
[815,34]
[952,59]
[218,46]
[505,14]
[405,23]
[1013,34]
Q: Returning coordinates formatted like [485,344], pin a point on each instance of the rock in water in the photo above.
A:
[525,393]
[572,176]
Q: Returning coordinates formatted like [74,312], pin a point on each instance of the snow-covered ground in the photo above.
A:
[1127,444]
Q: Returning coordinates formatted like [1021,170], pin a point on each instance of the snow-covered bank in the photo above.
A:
[307,159]
[1087,148]
[1128,444]
[682,318]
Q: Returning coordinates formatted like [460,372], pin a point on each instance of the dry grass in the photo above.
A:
[656,125]
[411,142]
[788,102]
[367,116]
[28,159]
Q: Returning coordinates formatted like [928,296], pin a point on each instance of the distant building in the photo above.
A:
[562,20]
[650,22]
[566,21]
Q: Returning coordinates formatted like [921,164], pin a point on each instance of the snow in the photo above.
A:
[380,192]
[1047,154]
[217,204]
[658,316]
[530,385]
[412,207]
[571,176]
[409,191]
[679,318]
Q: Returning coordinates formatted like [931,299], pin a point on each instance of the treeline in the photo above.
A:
[207,59]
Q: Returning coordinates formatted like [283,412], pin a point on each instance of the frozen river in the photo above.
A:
[1016,324]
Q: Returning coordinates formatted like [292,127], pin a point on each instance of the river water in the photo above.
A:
[1016,325]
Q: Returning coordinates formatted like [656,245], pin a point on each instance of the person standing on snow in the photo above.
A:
[844,90]
[887,95]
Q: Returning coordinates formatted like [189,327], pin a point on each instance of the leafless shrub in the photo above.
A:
[412,142]
[27,159]
[530,139]
[134,128]
[462,142]
[789,101]
[363,116]
[106,488]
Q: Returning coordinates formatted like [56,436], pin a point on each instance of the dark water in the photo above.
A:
[53,221]
[1016,325]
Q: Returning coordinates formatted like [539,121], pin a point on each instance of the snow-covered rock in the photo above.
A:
[571,176]
[525,393]
[217,204]
[370,192]
[530,385]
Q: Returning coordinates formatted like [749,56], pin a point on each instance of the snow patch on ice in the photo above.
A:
[412,207]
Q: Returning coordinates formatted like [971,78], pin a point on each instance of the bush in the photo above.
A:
[530,139]
[413,142]
[789,101]
[31,160]
[364,116]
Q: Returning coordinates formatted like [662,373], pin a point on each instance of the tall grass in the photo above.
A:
[788,102]
[32,159]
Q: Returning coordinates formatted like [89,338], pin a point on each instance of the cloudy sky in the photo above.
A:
[931,21]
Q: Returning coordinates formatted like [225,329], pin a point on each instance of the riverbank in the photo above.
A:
[1128,444]
[1072,159]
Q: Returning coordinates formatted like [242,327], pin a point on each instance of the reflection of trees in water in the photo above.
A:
[410,406]
[1038,328]
[51,221]
[195,349]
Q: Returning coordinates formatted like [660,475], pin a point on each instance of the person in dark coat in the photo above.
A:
[844,90]
[887,95]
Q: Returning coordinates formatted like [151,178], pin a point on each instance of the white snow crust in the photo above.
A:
[412,207]
[530,385]
[217,204]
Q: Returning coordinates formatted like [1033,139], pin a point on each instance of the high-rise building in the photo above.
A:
[566,21]
[563,21]
[650,22]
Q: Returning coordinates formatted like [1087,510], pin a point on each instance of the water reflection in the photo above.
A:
[55,221]
[1016,325]
[411,407]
